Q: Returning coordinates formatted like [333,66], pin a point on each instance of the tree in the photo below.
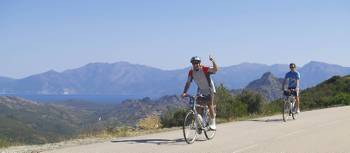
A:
[173,118]
[253,100]
[227,106]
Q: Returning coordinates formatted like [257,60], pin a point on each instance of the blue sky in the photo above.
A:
[37,36]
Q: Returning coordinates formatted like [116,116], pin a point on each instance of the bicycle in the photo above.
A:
[289,107]
[195,123]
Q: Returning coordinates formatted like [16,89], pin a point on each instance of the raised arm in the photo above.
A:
[215,67]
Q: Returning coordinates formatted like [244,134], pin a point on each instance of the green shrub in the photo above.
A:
[341,98]
[253,100]
[4,143]
[227,106]
[173,118]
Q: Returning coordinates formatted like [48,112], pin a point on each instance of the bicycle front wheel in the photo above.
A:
[294,110]
[190,128]
[285,110]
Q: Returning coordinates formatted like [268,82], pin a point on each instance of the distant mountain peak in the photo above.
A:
[50,72]
[316,62]
[267,76]
[266,79]
[319,64]
[268,85]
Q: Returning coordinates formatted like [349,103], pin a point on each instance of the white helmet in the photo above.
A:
[195,58]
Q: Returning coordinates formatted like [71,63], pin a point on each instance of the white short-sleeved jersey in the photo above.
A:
[202,78]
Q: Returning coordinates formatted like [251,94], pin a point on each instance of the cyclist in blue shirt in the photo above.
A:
[293,78]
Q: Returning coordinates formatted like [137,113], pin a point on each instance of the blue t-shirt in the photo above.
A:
[292,78]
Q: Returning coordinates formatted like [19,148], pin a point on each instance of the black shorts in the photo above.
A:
[202,99]
[291,91]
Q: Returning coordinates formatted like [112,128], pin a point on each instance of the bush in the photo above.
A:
[254,101]
[120,131]
[4,143]
[150,122]
[227,106]
[341,98]
[273,107]
[173,118]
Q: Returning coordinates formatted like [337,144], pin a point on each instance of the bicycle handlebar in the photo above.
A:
[289,92]
[192,99]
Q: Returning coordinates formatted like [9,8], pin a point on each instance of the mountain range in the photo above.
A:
[123,78]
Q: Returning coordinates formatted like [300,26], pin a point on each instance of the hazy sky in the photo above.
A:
[36,36]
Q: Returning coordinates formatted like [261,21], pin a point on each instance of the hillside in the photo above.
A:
[332,92]
[27,122]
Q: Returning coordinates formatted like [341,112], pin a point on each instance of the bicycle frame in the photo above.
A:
[194,106]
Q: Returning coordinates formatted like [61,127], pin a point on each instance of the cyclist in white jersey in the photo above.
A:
[201,75]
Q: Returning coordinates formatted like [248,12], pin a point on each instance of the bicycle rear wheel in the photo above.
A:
[190,128]
[209,134]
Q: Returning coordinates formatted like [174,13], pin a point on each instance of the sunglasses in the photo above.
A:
[195,63]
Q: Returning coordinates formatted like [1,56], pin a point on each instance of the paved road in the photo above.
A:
[326,130]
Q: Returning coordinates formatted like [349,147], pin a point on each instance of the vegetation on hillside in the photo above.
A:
[332,92]
[228,107]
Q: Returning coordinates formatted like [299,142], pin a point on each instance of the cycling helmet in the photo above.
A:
[292,65]
[195,58]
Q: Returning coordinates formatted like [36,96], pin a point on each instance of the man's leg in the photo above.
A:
[298,102]
[212,112]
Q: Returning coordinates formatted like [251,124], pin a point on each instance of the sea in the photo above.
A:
[111,99]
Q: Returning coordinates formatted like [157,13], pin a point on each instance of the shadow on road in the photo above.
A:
[267,120]
[151,141]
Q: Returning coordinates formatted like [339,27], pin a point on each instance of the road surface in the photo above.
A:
[326,130]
